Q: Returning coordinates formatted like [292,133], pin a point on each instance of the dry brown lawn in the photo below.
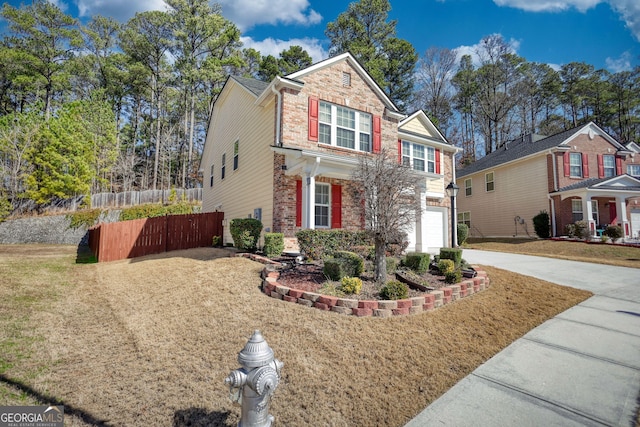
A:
[622,256]
[148,342]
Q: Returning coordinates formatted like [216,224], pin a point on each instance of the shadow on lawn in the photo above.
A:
[48,400]
[194,417]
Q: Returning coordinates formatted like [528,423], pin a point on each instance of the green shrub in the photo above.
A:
[582,229]
[351,285]
[463,233]
[352,263]
[446,266]
[5,208]
[541,225]
[154,210]
[245,233]
[394,290]
[453,276]
[613,231]
[417,261]
[333,269]
[320,244]
[392,264]
[84,218]
[273,244]
[216,241]
[454,254]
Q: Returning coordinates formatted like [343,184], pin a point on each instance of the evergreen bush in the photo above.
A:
[454,254]
[273,244]
[333,269]
[351,285]
[245,233]
[614,232]
[541,225]
[446,266]
[454,276]
[463,233]
[417,261]
[394,290]
[353,264]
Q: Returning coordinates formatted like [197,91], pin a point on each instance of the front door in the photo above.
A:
[613,213]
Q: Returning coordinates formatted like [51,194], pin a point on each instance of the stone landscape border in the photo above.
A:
[361,308]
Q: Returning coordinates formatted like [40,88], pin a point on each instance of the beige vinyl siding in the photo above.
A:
[416,126]
[520,189]
[251,185]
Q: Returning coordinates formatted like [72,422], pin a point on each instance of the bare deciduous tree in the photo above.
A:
[388,192]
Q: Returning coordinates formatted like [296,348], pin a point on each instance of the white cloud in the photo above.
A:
[247,13]
[121,10]
[623,63]
[629,10]
[549,5]
[273,47]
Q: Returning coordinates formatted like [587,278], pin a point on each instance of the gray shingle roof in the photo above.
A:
[517,149]
[254,86]
[588,183]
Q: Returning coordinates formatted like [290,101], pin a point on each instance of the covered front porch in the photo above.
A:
[600,203]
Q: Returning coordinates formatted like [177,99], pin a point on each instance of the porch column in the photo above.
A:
[587,208]
[420,238]
[308,202]
[623,221]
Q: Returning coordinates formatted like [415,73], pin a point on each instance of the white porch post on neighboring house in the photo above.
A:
[587,209]
[623,221]
[420,230]
[308,202]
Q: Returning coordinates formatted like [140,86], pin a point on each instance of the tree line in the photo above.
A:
[105,106]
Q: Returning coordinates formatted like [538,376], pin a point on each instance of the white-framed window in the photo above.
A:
[322,205]
[468,190]
[346,79]
[576,210]
[464,218]
[575,165]
[633,170]
[236,148]
[489,183]
[224,165]
[609,163]
[343,127]
[419,157]
[211,177]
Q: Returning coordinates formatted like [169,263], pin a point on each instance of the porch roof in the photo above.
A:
[622,185]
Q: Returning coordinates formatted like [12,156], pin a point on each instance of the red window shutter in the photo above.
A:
[313,118]
[618,166]
[600,166]
[336,206]
[377,134]
[298,203]
[567,164]
[585,165]
[399,151]
[437,161]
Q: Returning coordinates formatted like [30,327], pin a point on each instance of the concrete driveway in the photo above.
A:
[581,368]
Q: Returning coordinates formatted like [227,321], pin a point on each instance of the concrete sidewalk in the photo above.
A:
[581,368]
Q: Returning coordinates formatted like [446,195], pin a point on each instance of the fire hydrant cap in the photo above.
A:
[256,353]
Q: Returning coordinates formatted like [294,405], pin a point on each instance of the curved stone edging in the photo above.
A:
[362,308]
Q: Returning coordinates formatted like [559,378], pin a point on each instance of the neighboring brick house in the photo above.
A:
[284,151]
[580,174]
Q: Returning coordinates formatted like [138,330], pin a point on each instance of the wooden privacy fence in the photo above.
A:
[130,239]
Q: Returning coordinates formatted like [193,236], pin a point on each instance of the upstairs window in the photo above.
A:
[235,154]
[575,165]
[224,165]
[343,127]
[419,157]
[488,181]
[467,187]
[609,164]
[346,79]
[633,170]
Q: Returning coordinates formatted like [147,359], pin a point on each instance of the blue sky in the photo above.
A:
[605,34]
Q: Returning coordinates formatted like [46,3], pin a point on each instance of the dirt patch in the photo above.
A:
[150,341]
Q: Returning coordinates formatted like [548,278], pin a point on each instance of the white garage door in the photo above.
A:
[635,223]
[433,227]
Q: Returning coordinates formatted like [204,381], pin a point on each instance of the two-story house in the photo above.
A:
[579,174]
[284,152]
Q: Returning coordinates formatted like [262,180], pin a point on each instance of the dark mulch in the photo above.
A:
[309,277]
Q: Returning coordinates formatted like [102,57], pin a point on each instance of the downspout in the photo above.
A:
[278,114]
[454,238]
[553,216]
[555,188]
